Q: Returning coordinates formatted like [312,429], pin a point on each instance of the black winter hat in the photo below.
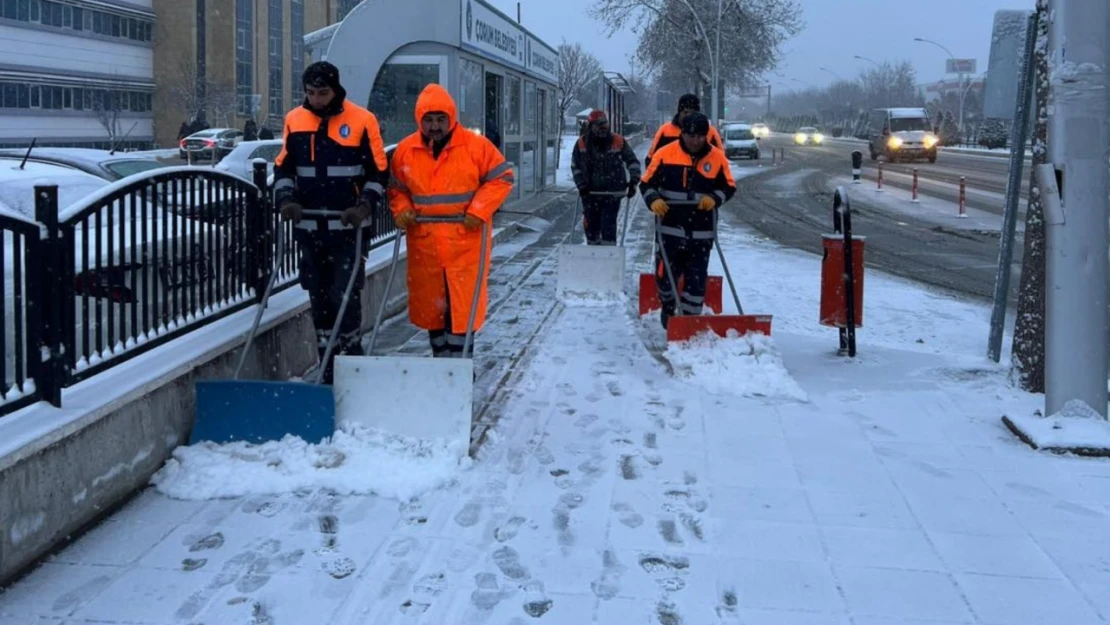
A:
[690,102]
[321,74]
[696,124]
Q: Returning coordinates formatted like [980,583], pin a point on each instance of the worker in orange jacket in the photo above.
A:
[669,132]
[444,169]
[685,186]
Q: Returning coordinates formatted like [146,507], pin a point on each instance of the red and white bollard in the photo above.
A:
[915,185]
[880,188]
[774,156]
[963,197]
[782,156]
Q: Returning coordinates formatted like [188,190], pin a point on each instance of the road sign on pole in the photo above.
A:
[960,66]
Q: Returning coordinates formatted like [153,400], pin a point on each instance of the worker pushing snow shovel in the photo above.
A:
[447,183]
[685,185]
[605,171]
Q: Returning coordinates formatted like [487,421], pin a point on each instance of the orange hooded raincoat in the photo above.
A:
[470,176]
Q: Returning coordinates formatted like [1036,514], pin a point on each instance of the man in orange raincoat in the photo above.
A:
[445,169]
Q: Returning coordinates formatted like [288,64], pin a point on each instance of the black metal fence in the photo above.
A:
[132,268]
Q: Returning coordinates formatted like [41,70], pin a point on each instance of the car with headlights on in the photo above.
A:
[808,135]
[740,141]
[761,131]
[902,134]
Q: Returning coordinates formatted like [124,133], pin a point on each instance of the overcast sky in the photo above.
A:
[836,31]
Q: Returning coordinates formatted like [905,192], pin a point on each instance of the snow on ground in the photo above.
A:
[927,208]
[614,492]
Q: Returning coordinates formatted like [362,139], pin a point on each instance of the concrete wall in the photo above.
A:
[51,494]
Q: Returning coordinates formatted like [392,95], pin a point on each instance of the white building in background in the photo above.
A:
[75,73]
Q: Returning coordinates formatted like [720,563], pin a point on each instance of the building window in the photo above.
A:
[244,54]
[345,7]
[296,47]
[512,100]
[68,17]
[15,95]
[531,109]
[277,59]
[472,99]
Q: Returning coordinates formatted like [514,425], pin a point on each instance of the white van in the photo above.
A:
[902,134]
[740,141]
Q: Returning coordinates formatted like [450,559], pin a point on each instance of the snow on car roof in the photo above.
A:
[17,186]
[738,125]
[85,156]
[908,112]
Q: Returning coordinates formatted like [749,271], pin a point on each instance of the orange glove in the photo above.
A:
[706,203]
[471,222]
[659,207]
[405,219]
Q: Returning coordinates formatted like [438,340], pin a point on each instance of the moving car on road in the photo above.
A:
[761,131]
[902,134]
[808,135]
[740,141]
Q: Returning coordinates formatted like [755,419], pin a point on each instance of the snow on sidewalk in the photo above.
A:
[612,492]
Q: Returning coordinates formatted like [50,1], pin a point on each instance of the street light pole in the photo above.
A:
[961,74]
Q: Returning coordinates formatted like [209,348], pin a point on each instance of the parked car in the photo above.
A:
[211,144]
[240,161]
[104,164]
[761,131]
[105,278]
[808,135]
[740,141]
[902,134]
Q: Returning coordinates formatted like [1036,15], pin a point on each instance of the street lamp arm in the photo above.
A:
[946,50]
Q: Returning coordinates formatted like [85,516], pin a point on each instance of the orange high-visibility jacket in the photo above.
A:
[670,132]
[470,176]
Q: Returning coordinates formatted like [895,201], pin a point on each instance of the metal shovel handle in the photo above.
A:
[667,263]
[261,306]
[334,334]
[724,265]
[624,225]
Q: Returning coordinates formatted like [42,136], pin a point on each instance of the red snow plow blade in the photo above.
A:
[649,293]
[684,328]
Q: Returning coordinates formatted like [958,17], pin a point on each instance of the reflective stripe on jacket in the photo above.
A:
[681,180]
[670,132]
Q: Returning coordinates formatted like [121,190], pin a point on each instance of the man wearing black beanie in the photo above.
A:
[333,160]
[669,132]
[685,185]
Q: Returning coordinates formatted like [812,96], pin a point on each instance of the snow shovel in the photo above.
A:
[412,396]
[256,411]
[590,271]
[685,327]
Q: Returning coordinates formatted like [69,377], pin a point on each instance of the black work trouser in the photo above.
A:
[447,344]
[327,259]
[599,219]
[689,259]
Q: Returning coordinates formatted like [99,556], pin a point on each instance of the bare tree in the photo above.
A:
[197,95]
[679,38]
[578,69]
[107,105]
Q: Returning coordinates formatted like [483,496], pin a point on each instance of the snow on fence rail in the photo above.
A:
[130,267]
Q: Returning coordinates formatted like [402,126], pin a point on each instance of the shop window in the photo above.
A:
[529,161]
[393,98]
[471,100]
[512,155]
[531,109]
[512,102]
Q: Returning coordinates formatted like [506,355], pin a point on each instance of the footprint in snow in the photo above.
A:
[667,613]
[508,561]
[401,547]
[189,564]
[594,467]
[517,461]
[508,530]
[329,527]
[572,500]
[726,609]
[544,455]
[668,529]
[651,440]
[536,602]
[665,565]
[628,468]
[339,568]
[561,522]
[693,525]
[614,388]
[206,543]
[607,585]
[627,515]
[469,514]
[412,512]
[566,389]
[586,420]
[255,577]
[593,398]
[487,594]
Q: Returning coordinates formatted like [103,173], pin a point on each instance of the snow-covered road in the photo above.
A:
[802,489]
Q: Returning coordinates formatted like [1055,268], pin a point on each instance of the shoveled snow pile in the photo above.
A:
[355,461]
[1076,426]
[747,366]
[585,299]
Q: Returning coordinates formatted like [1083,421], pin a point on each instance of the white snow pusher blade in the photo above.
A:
[590,272]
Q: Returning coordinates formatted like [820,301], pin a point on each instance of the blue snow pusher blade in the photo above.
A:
[257,411]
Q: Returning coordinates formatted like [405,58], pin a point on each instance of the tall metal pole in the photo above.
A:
[1077,234]
[717,66]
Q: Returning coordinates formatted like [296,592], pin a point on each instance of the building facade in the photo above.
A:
[76,73]
[503,78]
[231,60]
